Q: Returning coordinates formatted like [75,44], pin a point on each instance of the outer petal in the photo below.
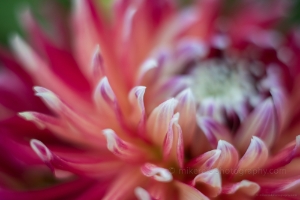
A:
[124,185]
[255,156]
[246,187]
[158,173]
[229,155]
[206,161]
[285,156]
[187,109]
[187,192]
[173,142]
[261,123]
[212,180]
[158,122]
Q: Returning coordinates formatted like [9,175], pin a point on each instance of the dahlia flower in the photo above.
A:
[152,101]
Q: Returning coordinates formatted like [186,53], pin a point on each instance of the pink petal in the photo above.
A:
[280,102]
[187,192]
[261,123]
[123,149]
[187,109]
[173,142]
[157,173]
[138,115]
[256,155]
[206,161]
[97,65]
[124,185]
[158,122]
[42,74]
[229,156]
[285,156]
[212,180]
[246,187]
[213,130]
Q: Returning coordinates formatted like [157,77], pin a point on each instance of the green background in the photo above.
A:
[9,22]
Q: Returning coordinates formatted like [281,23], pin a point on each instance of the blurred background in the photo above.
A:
[9,17]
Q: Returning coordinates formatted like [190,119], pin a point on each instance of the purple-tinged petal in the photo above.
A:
[187,109]
[229,156]
[261,123]
[187,192]
[213,130]
[157,173]
[256,155]
[280,102]
[285,156]
[173,142]
[206,161]
[212,180]
[158,122]
[104,94]
[97,65]
[138,115]
[247,187]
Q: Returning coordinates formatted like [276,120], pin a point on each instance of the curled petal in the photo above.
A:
[261,123]
[84,167]
[103,92]
[187,192]
[211,179]
[255,156]
[213,130]
[83,123]
[97,65]
[187,109]
[158,173]
[142,194]
[147,71]
[136,98]
[229,156]
[173,142]
[158,123]
[41,150]
[121,148]
[247,187]
[206,161]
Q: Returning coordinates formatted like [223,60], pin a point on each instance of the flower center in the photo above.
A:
[221,83]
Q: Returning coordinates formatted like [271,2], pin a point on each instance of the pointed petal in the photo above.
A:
[247,187]
[157,173]
[147,72]
[138,116]
[255,156]
[261,123]
[173,142]
[187,192]
[280,102]
[187,109]
[213,130]
[121,148]
[97,65]
[229,156]
[158,122]
[212,180]
[206,161]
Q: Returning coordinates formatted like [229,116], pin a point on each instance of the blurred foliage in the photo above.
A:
[9,14]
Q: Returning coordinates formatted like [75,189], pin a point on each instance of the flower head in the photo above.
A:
[155,103]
